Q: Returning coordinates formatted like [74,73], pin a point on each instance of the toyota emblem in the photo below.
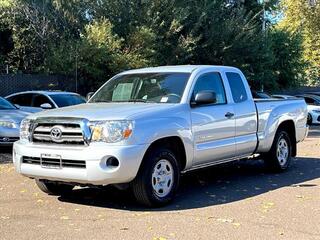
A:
[56,134]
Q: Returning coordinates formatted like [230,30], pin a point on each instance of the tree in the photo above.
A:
[303,18]
[289,65]
[96,39]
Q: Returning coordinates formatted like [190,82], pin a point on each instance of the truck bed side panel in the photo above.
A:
[271,113]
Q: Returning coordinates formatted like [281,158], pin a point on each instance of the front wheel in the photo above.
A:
[158,178]
[53,188]
[279,156]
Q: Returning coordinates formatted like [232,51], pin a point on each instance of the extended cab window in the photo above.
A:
[211,82]
[239,93]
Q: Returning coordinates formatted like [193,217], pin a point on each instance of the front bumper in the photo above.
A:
[8,136]
[96,171]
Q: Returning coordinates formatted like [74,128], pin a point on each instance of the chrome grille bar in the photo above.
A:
[72,131]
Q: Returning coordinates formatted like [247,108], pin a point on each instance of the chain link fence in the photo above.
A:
[13,83]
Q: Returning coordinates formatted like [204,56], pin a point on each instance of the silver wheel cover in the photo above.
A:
[162,178]
[282,152]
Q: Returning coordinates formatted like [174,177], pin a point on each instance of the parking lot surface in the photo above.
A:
[235,201]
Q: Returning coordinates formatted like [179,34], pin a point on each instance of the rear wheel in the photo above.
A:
[158,178]
[54,188]
[279,156]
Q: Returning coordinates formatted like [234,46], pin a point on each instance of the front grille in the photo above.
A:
[71,133]
[53,162]
[8,139]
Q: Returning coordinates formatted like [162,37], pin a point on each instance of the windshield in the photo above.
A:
[64,100]
[143,87]
[4,104]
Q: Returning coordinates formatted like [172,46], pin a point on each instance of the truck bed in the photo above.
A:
[280,110]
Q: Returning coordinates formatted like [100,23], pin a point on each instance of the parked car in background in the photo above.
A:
[260,95]
[36,101]
[313,102]
[314,93]
[281,96]
[10,119]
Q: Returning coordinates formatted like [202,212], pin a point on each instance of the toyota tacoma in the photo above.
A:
[144,128]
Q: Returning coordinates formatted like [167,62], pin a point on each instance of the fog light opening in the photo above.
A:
[112,162]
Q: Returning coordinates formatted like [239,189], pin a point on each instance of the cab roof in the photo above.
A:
[179,68]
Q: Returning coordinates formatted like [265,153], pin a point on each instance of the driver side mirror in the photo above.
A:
[205,97]
[89,95]
[46,106]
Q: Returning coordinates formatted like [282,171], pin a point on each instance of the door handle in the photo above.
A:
[229,115]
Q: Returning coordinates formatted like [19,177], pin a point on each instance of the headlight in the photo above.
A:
[111,131]
[8,124]
[25,129]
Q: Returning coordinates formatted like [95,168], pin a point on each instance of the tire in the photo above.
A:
[53,188]
[158,178]
[279,157]
[309,120]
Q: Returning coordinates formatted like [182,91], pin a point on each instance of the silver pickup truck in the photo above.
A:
[146,127]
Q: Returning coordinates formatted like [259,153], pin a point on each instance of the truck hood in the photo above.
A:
[104,111]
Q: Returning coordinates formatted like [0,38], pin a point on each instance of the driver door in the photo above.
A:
[213,125]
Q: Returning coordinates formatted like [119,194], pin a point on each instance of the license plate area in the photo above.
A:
[53,161]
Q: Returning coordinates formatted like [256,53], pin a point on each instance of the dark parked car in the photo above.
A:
[260,95]
[282,96]
[314,93]
[35,101]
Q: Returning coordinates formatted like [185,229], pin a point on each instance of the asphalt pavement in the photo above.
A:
[235,201]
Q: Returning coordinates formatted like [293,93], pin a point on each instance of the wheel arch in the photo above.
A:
[173,143]
[289,127]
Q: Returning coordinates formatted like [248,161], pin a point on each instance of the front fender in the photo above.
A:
[151,130]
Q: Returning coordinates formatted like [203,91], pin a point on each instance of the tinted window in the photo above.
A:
[309,100]
[39,99]
[63,100]
[238,90]
[4,104]
[211,82]
[22,99]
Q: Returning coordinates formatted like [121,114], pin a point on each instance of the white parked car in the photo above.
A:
[36,101]
[145,127]
[313,102]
